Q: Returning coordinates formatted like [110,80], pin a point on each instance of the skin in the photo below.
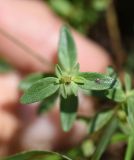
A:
[34,24]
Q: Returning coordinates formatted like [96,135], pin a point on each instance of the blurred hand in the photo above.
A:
[34,24]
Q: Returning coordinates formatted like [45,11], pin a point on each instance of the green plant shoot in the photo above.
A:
[66,83]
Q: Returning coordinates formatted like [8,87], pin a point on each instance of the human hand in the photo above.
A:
[32,23]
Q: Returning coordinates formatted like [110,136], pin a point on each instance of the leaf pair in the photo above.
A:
[66,83]
[45,88]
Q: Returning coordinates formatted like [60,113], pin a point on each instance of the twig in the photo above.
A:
[84,118]
[114,33]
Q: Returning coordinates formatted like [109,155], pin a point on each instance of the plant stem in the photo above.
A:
[130,148]
[26,48]
[84,118]
[115,36]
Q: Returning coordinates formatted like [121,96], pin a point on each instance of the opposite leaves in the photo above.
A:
[67,83]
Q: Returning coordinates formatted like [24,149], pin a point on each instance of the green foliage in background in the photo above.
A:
[80,14]
[4,66]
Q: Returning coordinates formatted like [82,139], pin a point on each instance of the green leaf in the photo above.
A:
[130,94]
[97,81]
[119,137]
[105,139]
[123,126]
[130,117]
[62,7]
[128,82]
[76,68]
[116,94]
[35,155]
[111,72]
[67,50]
[78,79]
[69,89]
[4,66]
[47,103]
[63,90]
[68,109]
[130,148]
[30,80]
[58,71]
[75,152]
[40,90]
[100,5]
[100,120]
[74,88]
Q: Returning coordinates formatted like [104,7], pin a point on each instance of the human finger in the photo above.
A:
[39,29]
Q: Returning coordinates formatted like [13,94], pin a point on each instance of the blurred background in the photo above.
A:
[110,23]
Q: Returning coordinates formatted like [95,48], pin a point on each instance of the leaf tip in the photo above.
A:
[66,128]
[22,99]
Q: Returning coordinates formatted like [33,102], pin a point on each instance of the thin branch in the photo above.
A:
[26,48]
[114,32]
[84,118]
